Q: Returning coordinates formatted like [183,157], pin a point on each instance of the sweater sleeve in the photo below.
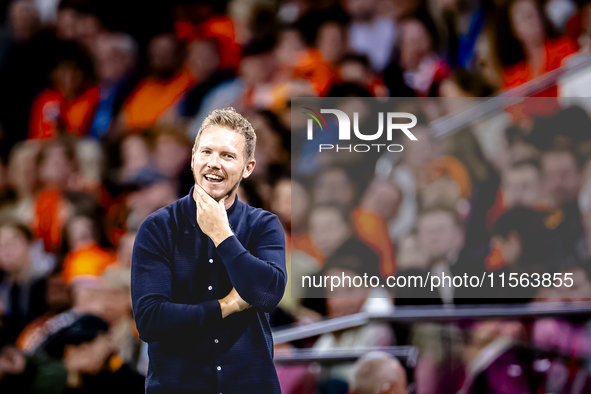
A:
[156,316]
[259,277]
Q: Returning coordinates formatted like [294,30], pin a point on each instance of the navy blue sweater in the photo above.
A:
[177,277]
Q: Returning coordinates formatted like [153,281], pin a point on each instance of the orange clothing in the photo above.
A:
[555,51]
[152,97]
[314,68]
[221,29]
[89,260]
[51,112]
[303,242]
[456,170]
[311,67]
[373,231]
[495,260]
[48,220]
[377,87]
[498,208]
[34,334]
[534,106]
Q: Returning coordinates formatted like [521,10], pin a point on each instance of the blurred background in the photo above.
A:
[100,102]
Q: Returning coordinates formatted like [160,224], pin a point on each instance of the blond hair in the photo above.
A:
[230,119]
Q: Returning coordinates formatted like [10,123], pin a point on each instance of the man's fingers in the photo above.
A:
[199,188]
[201,192]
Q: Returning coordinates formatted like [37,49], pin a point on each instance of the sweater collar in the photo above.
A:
[190,207]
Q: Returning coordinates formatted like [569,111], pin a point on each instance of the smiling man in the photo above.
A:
[206,272]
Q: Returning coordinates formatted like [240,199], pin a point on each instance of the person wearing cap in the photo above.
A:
[206,272]
[80,358]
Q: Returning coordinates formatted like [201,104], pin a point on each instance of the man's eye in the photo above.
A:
[205,151]
[230,156]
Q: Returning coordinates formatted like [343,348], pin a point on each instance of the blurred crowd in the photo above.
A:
[100,102]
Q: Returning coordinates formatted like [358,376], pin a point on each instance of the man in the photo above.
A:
[522,185]
[206,272]
[379,373]
[561,176]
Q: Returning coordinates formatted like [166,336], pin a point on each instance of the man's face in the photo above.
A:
[13,249]
[415,46]
[510,247]
[561,176]
[334,186]
[55,168]
[439,234]
[281,202]
[522,186]
[218,162]
[344,300]
[117,304]
[328,229]
[162,54]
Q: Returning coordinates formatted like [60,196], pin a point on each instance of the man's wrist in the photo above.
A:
[73,378]
[222,236]
[227,307]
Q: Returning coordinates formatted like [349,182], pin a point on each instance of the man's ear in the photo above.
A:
[192,155]
[249,168]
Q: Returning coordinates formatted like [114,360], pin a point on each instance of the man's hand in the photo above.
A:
[12,361]
[212,216]
[232,303]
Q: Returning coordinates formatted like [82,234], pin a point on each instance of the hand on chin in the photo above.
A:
[214,192]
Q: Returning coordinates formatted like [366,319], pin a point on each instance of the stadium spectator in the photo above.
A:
[378,373]
[527,49]
[115,58]
[164,86]
[22,288]
[90,358]
[84,255]
[115,285]
[56,173]
[370,33]
[331,40]
[423,69]
[69,105]
[522,185]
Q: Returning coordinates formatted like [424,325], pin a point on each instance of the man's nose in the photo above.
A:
[214,161]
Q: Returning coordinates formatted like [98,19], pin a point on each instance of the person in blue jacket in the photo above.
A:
[206,271]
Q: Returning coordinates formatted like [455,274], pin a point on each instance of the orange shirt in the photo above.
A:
[49,218]
[313,67]
[50,106]
[88,260]
[303,242]
[555,51]
[152,97]
[34,334]
[373,231]
[221,29]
